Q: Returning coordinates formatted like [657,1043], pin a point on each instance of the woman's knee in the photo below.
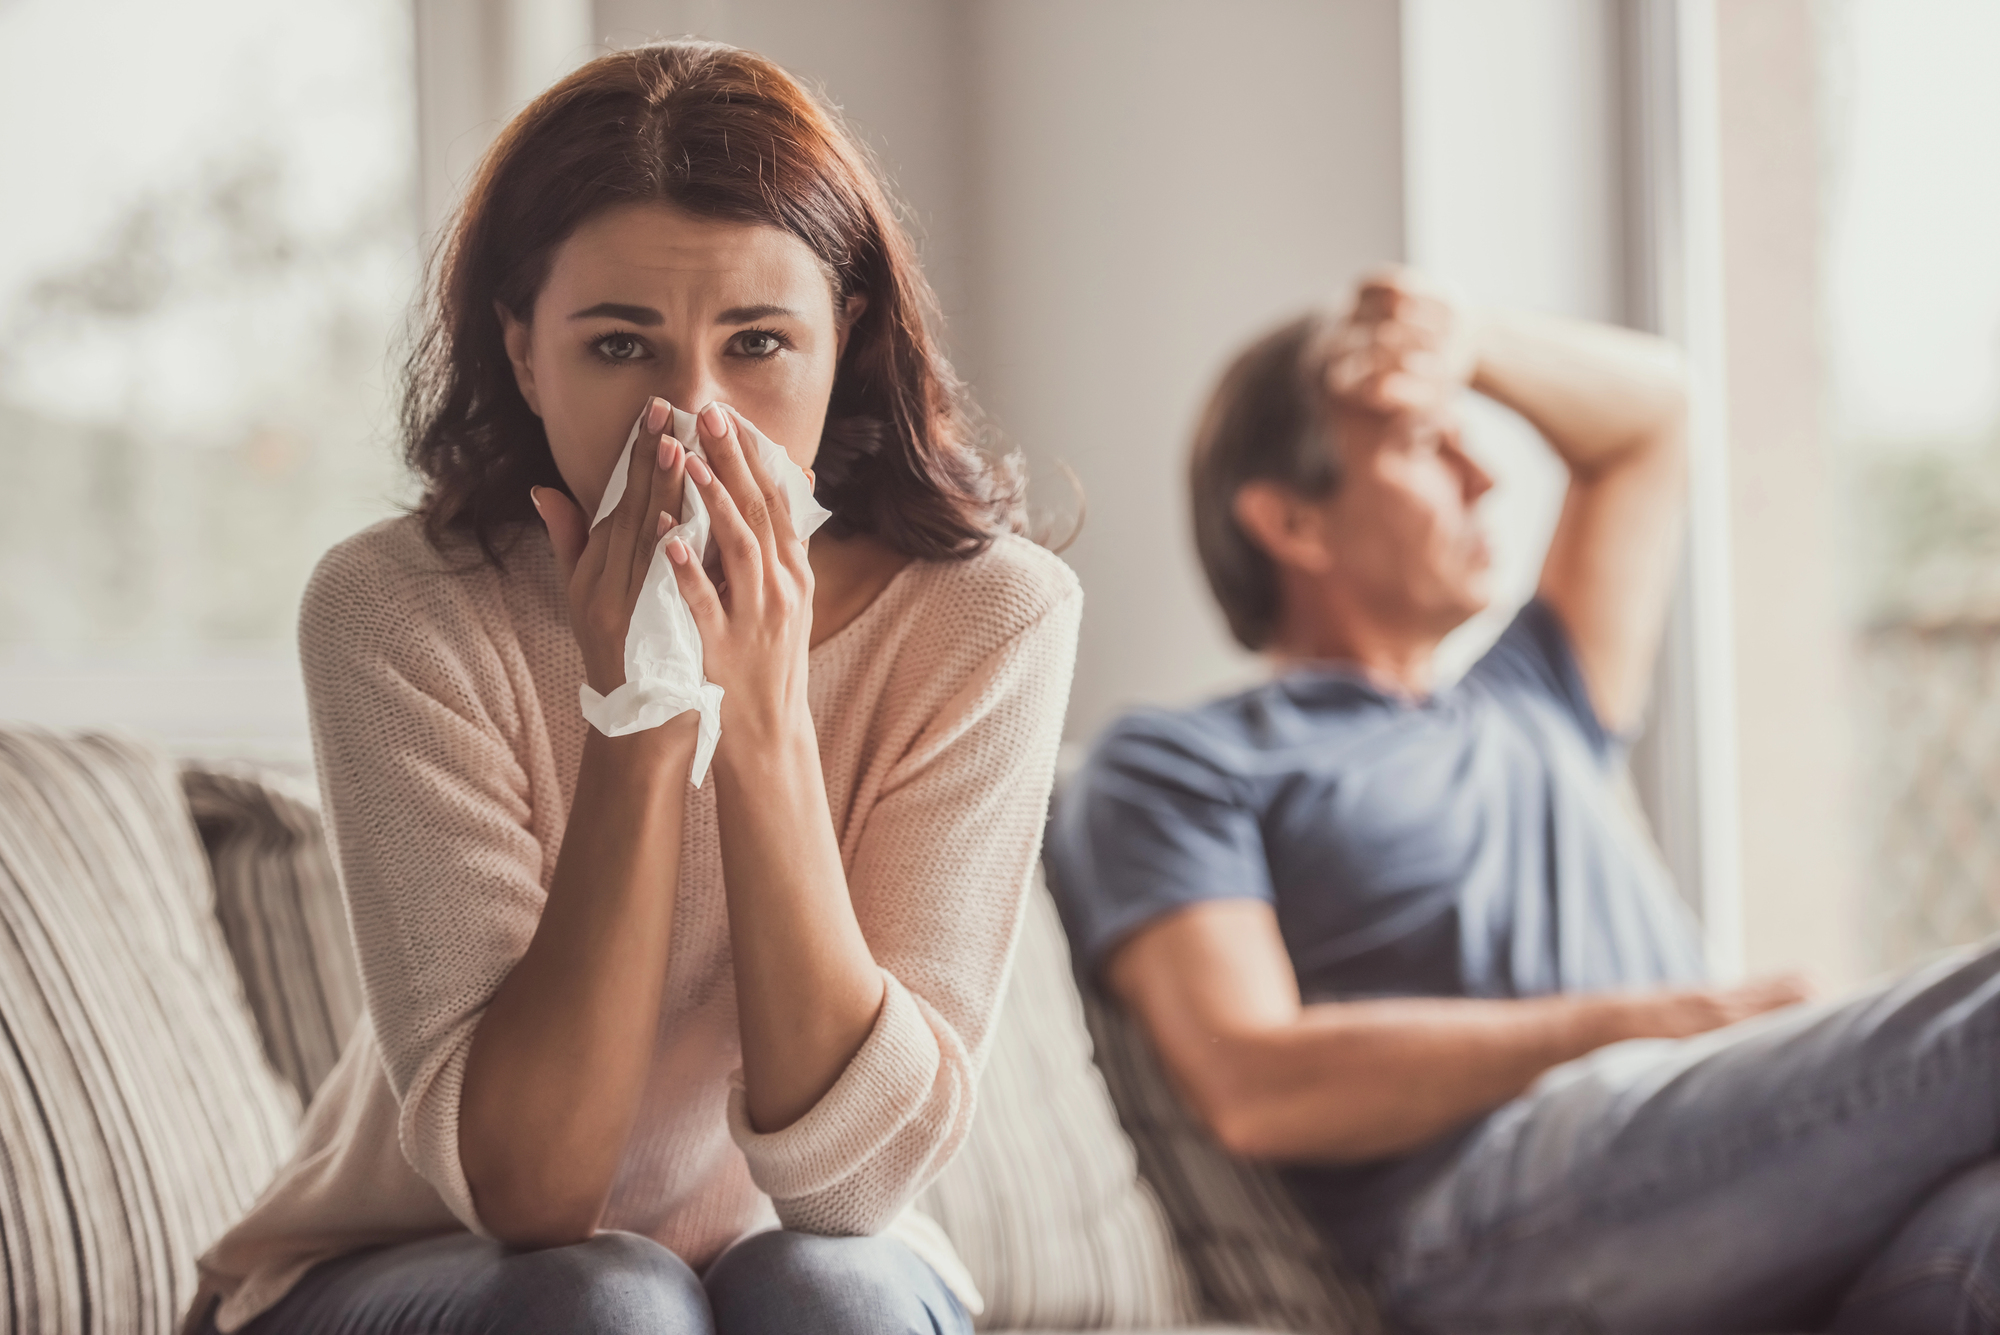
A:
[786,1281]
[612,1284]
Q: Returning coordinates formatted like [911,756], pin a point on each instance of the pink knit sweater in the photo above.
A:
[445,722]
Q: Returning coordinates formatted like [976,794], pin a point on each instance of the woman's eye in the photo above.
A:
[620,347]
[758,343]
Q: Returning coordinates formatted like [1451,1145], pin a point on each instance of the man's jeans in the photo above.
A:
[620,1284]
[1827,1167]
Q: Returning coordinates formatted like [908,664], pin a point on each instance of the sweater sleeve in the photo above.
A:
[428,811]
[938,876]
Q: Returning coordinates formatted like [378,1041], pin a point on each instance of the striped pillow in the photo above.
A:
[1043,1203]
[279,903]
[1258,1260]
[137,1115]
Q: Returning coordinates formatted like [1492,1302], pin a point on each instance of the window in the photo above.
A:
[1912,341]
[210,247]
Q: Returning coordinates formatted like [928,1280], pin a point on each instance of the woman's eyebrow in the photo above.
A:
[640,315]
[751,314]
[647,316]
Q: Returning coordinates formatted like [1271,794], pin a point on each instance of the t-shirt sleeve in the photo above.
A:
[1153,822]
[1533,660]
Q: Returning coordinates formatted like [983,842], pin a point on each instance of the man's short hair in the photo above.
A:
[1267,420]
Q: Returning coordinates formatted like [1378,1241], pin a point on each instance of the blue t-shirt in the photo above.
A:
[1465,845]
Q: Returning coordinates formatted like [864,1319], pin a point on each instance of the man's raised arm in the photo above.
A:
[1613,406]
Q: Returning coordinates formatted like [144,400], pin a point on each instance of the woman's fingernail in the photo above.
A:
[535,499]
[656,416]
[714,420]
[670,450]
[699,468]
[677,552]
[660,529]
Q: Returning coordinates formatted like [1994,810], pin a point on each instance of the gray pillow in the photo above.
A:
[278,901]
[1258,1260]
[137,1114]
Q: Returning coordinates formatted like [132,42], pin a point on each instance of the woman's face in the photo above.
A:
[646,300]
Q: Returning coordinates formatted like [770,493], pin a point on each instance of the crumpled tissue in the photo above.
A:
[663,668]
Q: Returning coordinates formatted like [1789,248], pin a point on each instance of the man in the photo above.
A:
[1391,937]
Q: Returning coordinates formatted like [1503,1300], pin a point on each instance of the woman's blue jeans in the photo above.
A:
[620,1284]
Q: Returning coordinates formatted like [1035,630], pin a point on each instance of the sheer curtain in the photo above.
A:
[1911,327]
[211,240]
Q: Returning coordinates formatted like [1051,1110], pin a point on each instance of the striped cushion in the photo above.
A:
[1043,1203]
[137,1115]
[279,903]
[1258,1260]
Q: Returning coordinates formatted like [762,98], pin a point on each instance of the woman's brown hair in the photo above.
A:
[724,134]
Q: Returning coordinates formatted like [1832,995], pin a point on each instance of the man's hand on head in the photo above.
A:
[1407,345]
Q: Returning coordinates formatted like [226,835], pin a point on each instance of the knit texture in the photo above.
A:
[446,729]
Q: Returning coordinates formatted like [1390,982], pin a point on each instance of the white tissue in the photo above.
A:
[663,671]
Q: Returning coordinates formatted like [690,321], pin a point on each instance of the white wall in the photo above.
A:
[1157,182]
[1801,894]
[896,68]
[1515,187]
[1514,151]
[479,62]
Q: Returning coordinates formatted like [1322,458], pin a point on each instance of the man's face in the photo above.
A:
[1403,527]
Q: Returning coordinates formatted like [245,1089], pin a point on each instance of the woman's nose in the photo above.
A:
[690,388]
[685,384]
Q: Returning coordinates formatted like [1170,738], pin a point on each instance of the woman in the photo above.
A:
[619,1026]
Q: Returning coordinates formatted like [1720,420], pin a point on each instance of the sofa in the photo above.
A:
[176,977]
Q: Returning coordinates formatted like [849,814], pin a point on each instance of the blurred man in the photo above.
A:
[1392,937]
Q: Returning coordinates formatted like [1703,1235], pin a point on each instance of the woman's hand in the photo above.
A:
[604,567]
[757,626]
[562,1054]
[808,989]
